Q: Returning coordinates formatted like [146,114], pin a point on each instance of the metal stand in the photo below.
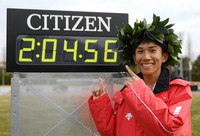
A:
[55,104]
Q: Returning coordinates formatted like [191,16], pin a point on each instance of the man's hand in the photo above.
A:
[133,77]
[98,91]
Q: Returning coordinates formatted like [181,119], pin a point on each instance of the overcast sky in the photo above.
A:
[185,14]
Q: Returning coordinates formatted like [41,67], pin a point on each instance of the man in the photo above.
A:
[154,102]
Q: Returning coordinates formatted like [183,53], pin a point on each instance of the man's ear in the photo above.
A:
[134,59]
[165,57]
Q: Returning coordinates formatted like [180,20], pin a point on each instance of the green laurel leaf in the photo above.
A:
[158,31]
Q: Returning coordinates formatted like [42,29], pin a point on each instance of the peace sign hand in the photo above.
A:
[133,77]
[98,91]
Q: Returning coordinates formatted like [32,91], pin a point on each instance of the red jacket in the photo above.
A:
[139,111]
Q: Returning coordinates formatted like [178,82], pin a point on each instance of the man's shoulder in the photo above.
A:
[179,81]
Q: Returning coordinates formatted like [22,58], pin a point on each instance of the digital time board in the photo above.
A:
[63,41]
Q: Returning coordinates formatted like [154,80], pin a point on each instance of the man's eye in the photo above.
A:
[139,51]
[153,50]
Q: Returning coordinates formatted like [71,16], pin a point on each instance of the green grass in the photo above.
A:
[195,113]
[5,115]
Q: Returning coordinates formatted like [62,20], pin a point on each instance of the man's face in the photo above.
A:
[149,58]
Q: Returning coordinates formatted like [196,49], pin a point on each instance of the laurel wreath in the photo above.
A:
[158,31]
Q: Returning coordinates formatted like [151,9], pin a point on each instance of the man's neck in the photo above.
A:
[151,80]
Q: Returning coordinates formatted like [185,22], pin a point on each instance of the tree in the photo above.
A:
[195,69]
[186,68]
[7,77]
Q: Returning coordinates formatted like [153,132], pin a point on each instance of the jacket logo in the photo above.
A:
[177,110]
[128,116]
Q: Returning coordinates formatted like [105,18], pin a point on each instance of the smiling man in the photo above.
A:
[149,58]
[153,102]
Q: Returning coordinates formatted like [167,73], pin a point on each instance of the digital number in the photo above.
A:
[73,50]
[23,50]
[66,50]
[87,42]
[44,45]
[107,50]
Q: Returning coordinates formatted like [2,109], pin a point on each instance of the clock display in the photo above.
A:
[63,41]
[66,50]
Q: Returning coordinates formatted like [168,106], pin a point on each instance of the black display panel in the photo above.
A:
[63,41]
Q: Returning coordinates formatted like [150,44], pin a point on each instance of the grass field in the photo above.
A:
[5,115]
[195,114]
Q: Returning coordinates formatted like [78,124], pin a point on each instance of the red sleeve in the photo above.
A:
[153,113]
[103,115]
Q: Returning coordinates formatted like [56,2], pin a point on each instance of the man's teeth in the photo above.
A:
[147,65]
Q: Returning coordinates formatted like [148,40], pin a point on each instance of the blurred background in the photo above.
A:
[184,14]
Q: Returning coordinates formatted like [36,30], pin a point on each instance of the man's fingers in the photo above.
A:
[100,83]
[132,74]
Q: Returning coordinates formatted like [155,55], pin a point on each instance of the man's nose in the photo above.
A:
[147,56]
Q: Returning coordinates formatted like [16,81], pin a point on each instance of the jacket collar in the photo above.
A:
[161,85]
[163,80]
